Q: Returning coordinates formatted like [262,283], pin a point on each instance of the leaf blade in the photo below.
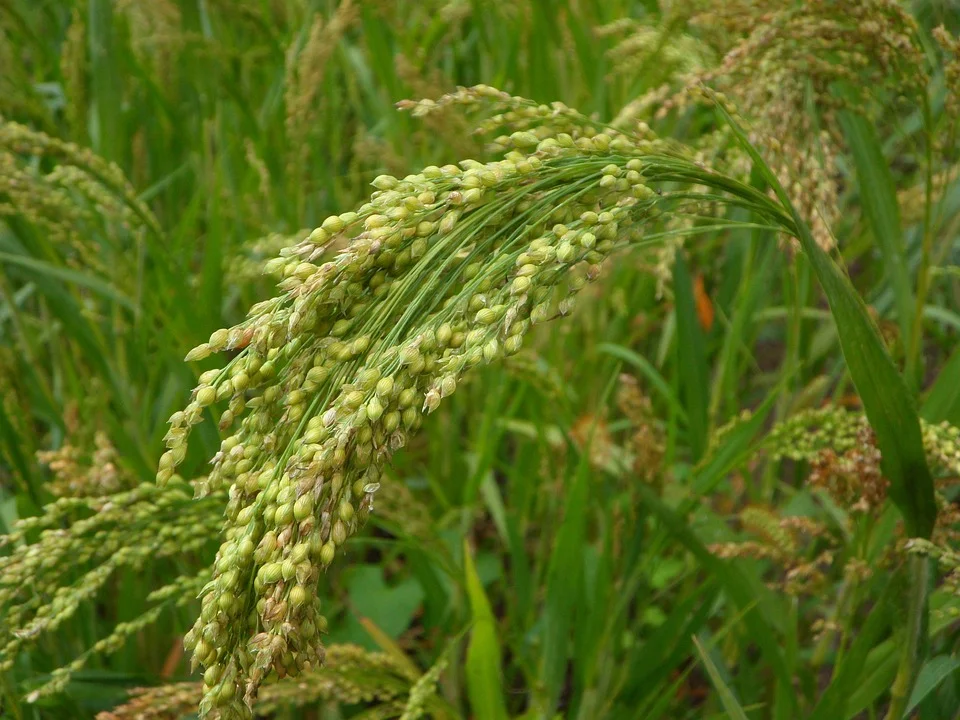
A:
[886,400]
[484,685]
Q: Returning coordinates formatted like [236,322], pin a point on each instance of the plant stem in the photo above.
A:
[828,635]
[918,579]
[914,364]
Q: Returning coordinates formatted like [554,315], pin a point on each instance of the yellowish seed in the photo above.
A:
[206,396]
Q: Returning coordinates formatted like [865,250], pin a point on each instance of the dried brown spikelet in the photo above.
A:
[763,523]
[647,444]
[751,549]
[789,544]
[77,474]
[845,462]
[853,478]
[842,451]
[807,578]
[590,434]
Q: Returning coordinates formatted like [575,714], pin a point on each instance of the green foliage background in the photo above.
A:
[596,527]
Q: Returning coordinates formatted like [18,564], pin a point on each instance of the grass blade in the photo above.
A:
[69,276]
[691,358]
[729,700]
[649,372]
[669,645]
[484,685]
[889,407]
[878,196]
[892,414]
[933,673]
[849,675]
[563,584]
[735,583]
[879,670]
[943,399]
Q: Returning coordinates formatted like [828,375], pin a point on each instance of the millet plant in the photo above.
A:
[382,313]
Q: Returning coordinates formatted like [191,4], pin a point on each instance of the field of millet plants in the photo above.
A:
[463,359]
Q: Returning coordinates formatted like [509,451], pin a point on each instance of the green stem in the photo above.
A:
[918,578]
[914,354]
[827,637]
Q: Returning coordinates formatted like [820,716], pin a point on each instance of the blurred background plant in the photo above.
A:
[154,156]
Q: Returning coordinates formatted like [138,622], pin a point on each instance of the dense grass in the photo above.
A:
[667,505]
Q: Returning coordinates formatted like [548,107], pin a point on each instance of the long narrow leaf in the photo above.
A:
[933,673]
[564,577]
[70,276]
[730,703]
[733,580]
[691,358]
[484,686]
[878,196]
[889,407]
[849,676]
[943,400]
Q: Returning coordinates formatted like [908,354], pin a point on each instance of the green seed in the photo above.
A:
[299,596]
[333,224]
[520,285]
[303,507]
[271,573]
[206,396]
[448,385]
[391,421]
[328,553]
[487,316]
[385,386]
[284,515]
